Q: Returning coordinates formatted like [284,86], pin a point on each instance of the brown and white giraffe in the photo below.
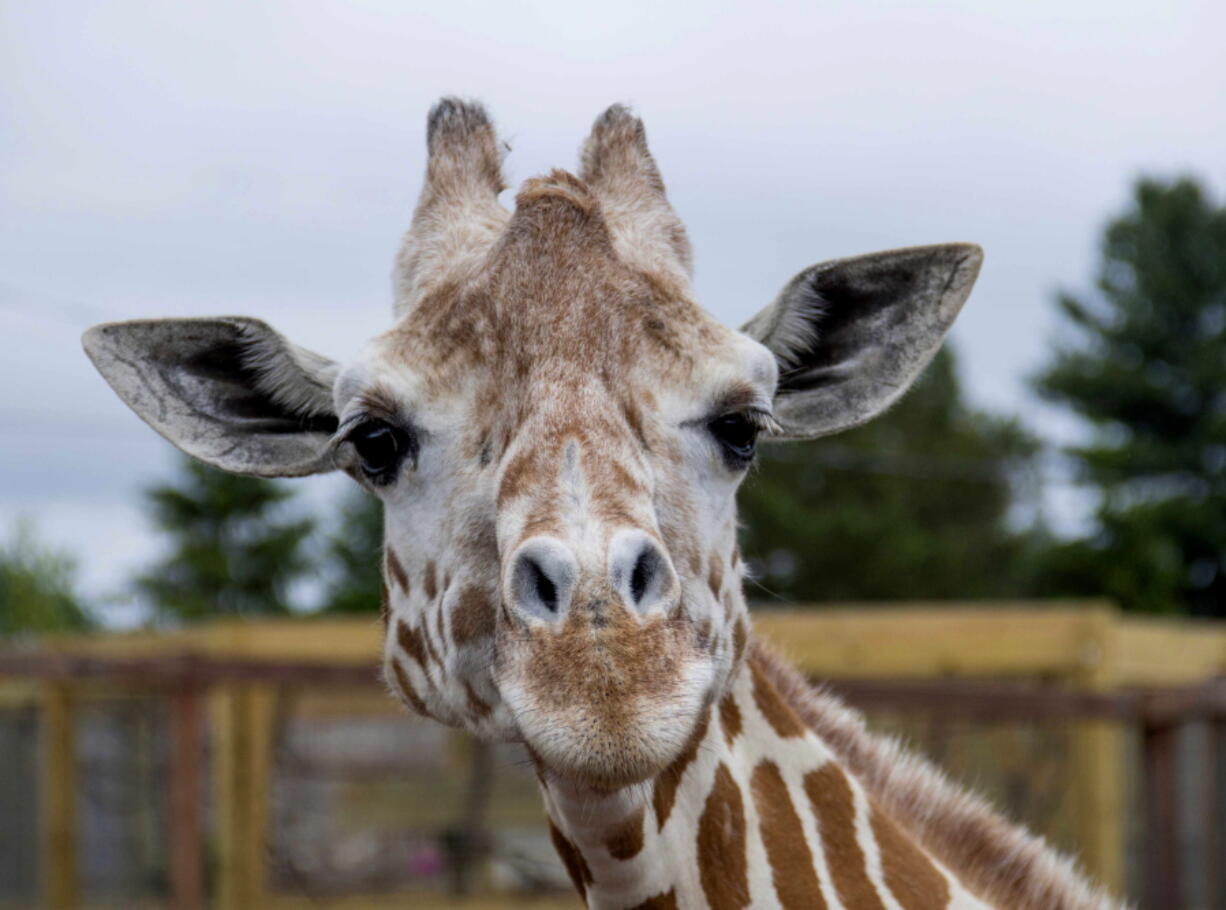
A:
[557,431]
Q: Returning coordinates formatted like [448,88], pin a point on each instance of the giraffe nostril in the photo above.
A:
[543,576]
[640,571]
[640,578]
[546,590]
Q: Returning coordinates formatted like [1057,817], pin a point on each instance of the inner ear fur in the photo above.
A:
[851,335]
[229,391]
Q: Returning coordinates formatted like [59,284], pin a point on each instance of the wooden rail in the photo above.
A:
[1082,663]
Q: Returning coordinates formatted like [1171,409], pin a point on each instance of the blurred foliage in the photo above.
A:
[912,505]
[1146,367]
[37,593]
[352,556]
[233,550]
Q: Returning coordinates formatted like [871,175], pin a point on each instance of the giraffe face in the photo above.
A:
[560,515]
[556,431]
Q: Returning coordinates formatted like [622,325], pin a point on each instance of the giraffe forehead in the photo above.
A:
[553,289]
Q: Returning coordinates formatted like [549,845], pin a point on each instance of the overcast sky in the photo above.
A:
[262,158]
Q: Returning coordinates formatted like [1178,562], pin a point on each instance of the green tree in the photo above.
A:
[912,505]
[1145,366]
[352,556]
[234,551]
[37,588]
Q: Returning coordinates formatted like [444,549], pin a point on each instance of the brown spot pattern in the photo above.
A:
[396,570]
[792,869]
[438,626]
[831,797]
[776,711]
[430,581]
[664,793]
[703,634]
[572,859]
[909,874]
[409,693]
[428,640]
[625,839]
[472,618]
[715,574]
[723,863]
[729,718]
[739,635]
[385,606]
[475,703]
[665,901]
[410,642]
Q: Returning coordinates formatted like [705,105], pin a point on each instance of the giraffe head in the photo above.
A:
[557,431]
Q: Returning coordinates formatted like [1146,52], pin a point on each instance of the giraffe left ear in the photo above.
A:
[228,390]
[851,335]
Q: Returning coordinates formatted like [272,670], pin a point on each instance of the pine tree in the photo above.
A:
[352,556]
[1146,367]
[912,505]
[37,588]
[234,550]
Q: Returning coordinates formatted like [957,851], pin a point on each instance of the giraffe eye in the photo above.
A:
[737,435]
[381,447]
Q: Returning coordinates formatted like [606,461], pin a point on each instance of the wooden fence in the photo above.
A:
[1083,664]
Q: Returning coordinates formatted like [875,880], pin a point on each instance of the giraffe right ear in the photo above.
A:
[851,335]
[229,391]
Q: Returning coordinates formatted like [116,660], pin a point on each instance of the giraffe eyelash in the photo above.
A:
[764,420]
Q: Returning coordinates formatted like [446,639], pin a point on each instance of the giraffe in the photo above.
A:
[557,430]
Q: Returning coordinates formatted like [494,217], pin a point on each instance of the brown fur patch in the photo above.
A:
[791,862]
[516,477]
[912,878]
[739,635]
[572,859]
[385,606]
[625,839]
[665,901]
[475,703]
[776,711]
[438,626]
[831,797]
[729,718]
[723,863]
[472,617]
[408,692]
[410,642]
[428,640]
[396,570]
[715,574]
[430,581]
[544,521]
[702,634]
[664,793]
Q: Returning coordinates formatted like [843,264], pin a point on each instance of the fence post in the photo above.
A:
[185,822]
[243,715]
[1161,741]
[1098,760]
[61,887]
[1215,812]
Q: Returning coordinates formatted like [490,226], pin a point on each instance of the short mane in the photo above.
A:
[997,860]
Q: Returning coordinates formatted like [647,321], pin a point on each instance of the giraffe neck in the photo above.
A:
[755,813]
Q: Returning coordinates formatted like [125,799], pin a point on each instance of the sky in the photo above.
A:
[262,158]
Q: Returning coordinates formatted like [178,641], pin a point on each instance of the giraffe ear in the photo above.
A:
[229,391]
[852,334]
